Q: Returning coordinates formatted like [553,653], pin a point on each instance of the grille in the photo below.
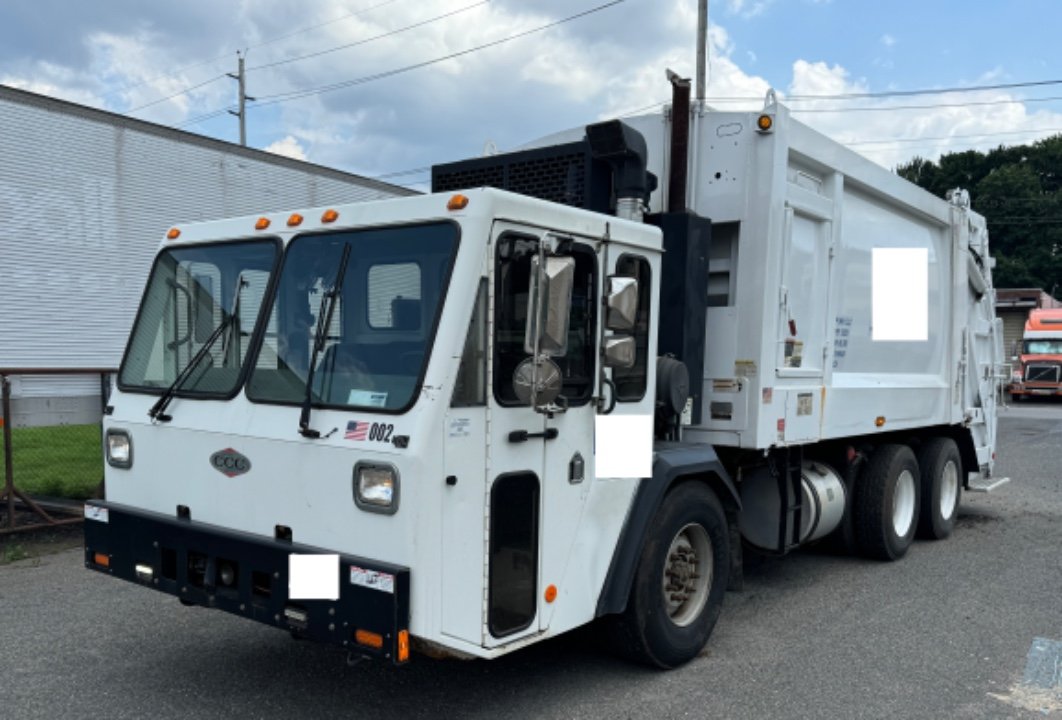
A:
[565,174]
[1042,373]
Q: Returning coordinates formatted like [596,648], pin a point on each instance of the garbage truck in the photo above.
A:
[574,383]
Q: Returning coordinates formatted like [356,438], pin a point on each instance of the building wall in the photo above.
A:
[85,198]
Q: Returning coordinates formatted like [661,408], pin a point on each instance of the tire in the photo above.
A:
[667,625]
[941,469]
[886,503]
[1016,398]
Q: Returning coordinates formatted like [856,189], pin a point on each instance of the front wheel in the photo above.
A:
[682,575]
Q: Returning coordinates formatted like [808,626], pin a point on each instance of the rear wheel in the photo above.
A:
[886,503]
[682,575]
[940,466]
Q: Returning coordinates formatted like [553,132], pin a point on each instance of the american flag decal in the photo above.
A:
[356,430]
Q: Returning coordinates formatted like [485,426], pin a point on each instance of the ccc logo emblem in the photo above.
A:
[229,462]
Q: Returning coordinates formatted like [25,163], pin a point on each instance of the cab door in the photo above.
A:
[516,441]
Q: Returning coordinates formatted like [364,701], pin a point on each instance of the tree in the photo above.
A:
[1019,191]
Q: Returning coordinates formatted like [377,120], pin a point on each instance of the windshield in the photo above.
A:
[383,321]
[1044,346]
[191,292]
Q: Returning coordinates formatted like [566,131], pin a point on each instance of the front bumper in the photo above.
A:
[1039,389]
[191,560]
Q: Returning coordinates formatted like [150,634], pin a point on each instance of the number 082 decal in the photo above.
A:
[362,430]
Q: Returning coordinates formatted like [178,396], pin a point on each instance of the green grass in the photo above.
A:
[61,461]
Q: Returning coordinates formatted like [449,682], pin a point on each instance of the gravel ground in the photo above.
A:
[945,633]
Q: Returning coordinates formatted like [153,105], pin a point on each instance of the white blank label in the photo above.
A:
[623,446]
[900,293]
[313,577]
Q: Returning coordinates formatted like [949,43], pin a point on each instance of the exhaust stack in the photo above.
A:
[680,142]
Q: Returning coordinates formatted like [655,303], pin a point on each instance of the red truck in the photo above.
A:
[1038,369]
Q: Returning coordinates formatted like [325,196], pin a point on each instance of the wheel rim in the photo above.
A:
[949,490]
[903,503]
[687,576]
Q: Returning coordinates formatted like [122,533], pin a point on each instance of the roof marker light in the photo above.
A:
[294,220]
[173,234]
[457,202]
[262,224]
[329,216]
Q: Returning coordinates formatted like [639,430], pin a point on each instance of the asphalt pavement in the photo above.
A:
[945,633]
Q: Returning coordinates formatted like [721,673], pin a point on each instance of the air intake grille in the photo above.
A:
[565,174]
[1042,373]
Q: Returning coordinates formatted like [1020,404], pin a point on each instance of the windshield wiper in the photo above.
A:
[157,411]
[320,337]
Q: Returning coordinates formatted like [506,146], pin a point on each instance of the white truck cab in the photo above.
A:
[412,455]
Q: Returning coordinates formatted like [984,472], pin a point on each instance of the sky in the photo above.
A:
[386,88]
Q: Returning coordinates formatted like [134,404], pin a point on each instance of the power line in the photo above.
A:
[320,25]
[180,70]
[228,54]
[893,93]
[953,137]
[176,94]
[296,94]
[202,118]
[883,108]
[930,91]
[371,39]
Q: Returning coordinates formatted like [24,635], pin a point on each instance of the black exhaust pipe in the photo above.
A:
[680,142]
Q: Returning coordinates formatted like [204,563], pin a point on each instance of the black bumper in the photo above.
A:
[191,560]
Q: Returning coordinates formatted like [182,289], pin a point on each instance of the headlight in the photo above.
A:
[119,448]
[376,487]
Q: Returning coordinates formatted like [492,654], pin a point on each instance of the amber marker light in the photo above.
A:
[551,593]
[764,123]
[368,639]
[329,216]
[294,220]
[173,234]
[262,224]
[102,560]
[457,202]
[403,645]
[879,420]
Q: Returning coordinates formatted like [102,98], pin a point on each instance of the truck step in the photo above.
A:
[989,486]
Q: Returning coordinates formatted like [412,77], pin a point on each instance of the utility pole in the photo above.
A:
[702,48]
[244,97]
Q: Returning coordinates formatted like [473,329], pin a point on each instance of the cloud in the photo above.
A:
[120,55]
[747,8]
[288,147]
[892,130]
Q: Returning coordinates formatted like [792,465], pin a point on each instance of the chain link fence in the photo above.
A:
[52,454]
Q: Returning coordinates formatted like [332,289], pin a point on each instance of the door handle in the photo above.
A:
[517,436]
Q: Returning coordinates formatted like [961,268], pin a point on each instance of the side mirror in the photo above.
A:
[621,303]
[619,351]
[549,305]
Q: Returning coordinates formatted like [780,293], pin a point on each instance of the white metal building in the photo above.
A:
[85,197]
